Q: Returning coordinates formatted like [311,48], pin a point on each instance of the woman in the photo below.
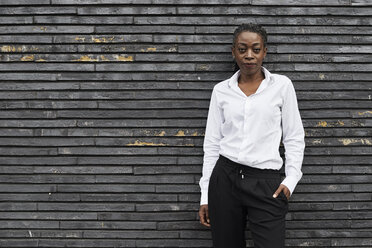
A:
[248,116]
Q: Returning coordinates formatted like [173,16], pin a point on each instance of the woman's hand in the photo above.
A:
[285,190]
[204,215]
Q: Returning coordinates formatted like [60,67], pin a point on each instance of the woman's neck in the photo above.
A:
[254,78]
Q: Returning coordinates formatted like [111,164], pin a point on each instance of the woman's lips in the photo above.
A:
[249,65]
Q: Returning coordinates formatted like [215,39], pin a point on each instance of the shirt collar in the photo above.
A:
[233,81]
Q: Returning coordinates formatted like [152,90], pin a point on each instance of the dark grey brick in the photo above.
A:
[43,141]
[39,196]
[166,216]
[86,39]
[24,76]
[131,225]
[185,169]
[166,207]
[173,243]
[47,29]
[149,142]
[145,29]
[14,151]
[360,3]
[141,10]
[178,188]
[105,188]
[160,123]
[82,20]
[300,3]
[130,234]
[157,179]
[101,170]
[85,243]
[87,207]
[88,2]
[270,11]
[47,178]
[36,10]
[46,67]
[98,114]
[13,206]
[49,216]
[38,123]
[124,197]
[128,48]
[19,242]
[31,224]
[24,2]
[33,188]
[25,39]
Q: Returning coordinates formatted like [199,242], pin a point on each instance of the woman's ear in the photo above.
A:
[265,52]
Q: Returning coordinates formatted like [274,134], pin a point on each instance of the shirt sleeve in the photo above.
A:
[293,138]
[211,145]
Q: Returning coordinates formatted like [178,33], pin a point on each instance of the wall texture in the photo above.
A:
[104,104]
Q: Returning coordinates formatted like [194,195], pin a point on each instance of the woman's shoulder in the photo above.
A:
[280,78]
[222,85]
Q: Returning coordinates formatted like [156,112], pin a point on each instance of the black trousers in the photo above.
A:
[237,193]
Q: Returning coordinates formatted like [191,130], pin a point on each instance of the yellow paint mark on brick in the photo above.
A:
[28,58]
[123,48]
[151,49]
[140,143]
[123,58]
[162,133]
[43,28]
[317,141]
[365,113]
[103,58]
[85,58]
[8,49]
[341,123]
[321,76]
[103,39]
[80,39]
[346,142]
[40,60]
[142,50]
[322,124]
[180,133]
[189,145]
[194,134]
[203,67]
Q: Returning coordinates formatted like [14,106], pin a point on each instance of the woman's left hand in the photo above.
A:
[285,190]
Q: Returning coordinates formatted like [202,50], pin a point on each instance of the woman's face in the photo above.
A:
[249,52]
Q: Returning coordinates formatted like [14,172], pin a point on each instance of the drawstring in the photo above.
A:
[237,173]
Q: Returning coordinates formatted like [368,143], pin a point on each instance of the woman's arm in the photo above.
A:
[293,138]
[211,144]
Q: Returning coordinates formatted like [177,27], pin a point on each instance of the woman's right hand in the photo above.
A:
[204,215]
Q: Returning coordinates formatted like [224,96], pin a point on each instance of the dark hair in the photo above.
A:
[249,27]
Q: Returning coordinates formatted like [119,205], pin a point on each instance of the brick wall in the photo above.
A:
[104,104]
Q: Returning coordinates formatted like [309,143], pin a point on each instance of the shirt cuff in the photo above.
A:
[204,197]
[290,182]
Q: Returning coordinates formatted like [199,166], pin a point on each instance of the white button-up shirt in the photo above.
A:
[248,129]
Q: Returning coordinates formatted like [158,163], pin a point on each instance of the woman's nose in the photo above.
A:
[248,54]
